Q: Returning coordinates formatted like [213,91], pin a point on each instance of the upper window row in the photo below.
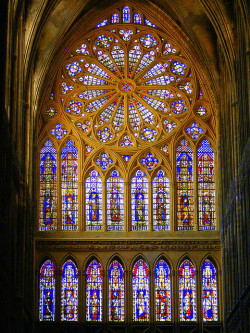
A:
[140,292]
[144,196]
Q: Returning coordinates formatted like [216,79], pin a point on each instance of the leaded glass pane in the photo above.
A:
[116,292]
[161,202]
[47,291]
[209,292]
[93,187]
[163,309]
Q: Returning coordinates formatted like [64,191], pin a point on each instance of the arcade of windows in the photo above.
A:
[140,294]
[126,144]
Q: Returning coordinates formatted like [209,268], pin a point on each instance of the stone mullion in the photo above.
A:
[129,298]
[127,293]
[195,192]
[175,296]
[199,298]
[105,105]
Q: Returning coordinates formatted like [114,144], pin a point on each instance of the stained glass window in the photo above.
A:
[184,179]
[126,15]
[94,291]
[69,170]
[209,291]
[187,292]
[206,186]
[69,292]
[93,187]
[115,18]
[48,192]
[47,291]
[115,202]
[162,291]
[161,202]
[140,291]
[139,196]
[116,292]
[137,18]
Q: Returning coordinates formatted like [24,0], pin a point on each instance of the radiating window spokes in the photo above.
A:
[141,296]
[185,186]
[206,186]
[69,292]
[48,188]
[47,290]
[69,174]
[163,310]
[209,292]
[187,292]
[116,292]
[139,200]
[94,285]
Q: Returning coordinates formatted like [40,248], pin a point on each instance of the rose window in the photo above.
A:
[126,83]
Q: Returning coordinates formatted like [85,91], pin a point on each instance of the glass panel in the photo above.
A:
[47,292]
[161,202]
[209,291]
[126,15]
[116,292]
[162,292]
[93,188]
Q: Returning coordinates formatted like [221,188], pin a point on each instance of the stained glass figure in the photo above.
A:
[47,291]
[163,311]
[48,191]
[115,18]
[59,131]
[184,179]
[69,292]
[69,174]
[194,131]
[187,292]
[206,186]
[115,202]
[209,292]
[51,112]
[150,161]
[104,161]
[139,196]
[94,291]
[126,15]
[161,202]
[93,187]
[137,18]
[141,296]
[116,292]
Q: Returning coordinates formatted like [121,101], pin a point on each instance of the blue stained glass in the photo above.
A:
[149,161]
[148,41]
[74,107]
[74,68]
[206,186]
[94,291]
[187,292]
[126,34]
[137,18]
[139,196]
[48,184]
[163,309]
[69,292]
[102,24]
[178,107]
[116,292]
[104,161]
[126,15]
[184,178]
[59,131]
[93,187]
[178,68]
[140,291]
[104,41]
[161,202]
[115,202]
[115,18]
[209,292]
[47,291]
[147,22]
[194,131]
[69,174]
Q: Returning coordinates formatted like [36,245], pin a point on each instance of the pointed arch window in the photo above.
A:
[206,186]
[187,292]
[69,174]
[115,18]
[126,15]
[185,186]
[140,288]
[93,194]
[137,18]
[115,202]
[161,202]
[139,199]
[94,291]
[48,190]
[163,310]
[209,291]
[47,291]
[69,292]
[116,292]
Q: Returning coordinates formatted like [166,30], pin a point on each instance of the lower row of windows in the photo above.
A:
[140,298]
